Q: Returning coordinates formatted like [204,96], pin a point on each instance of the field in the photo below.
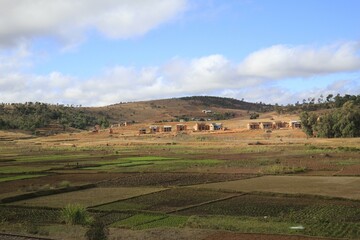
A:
[346,187]
[234,184]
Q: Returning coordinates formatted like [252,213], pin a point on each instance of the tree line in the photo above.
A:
[343,120]
[30,116]
[313,104]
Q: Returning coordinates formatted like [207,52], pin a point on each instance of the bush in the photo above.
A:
[254,115]
[280,169]
[75,214]
[64,184]
[97,231]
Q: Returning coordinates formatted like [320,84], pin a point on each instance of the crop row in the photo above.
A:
[165,201]
[34,215]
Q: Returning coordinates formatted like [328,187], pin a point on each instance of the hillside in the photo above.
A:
[41,117]
[187,108]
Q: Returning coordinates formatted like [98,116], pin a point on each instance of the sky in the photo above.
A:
[102,52]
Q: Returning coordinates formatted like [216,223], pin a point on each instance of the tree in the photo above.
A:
[254,115]
[329,97]
[348,120]
[308,121]
[340,122]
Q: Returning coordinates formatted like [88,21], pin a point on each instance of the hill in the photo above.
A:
[42,117]
[187,108]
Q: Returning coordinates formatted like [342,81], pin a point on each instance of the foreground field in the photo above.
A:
[230,185]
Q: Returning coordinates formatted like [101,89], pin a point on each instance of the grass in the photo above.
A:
[275,214]
[115,166]
[20,177]
[242,224]
[23,169]
[53,157]
[163,165]
[169,221]
[346,162]
[149,158]
[281,169]
[138,219]
[75,214]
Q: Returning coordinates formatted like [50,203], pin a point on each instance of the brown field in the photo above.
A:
[87,198]
[345,187]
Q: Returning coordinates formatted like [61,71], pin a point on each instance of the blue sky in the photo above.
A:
[100,52]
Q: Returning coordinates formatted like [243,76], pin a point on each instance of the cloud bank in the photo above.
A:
[281,61]
[257,78]
[69,20]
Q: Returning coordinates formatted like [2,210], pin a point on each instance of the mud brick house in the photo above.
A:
[201,127]
[253,125]
[142,131]
[154,129]
[215,126]
[280,124]
[181,127]
[295,124]
[266,125]
[166,128]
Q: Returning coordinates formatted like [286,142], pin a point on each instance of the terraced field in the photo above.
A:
[346,187]
[199,186]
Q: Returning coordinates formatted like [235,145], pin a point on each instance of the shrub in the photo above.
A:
[64,184]
[97,231]
[75,214]
[280,169]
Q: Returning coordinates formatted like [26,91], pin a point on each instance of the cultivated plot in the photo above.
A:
[346,187]
[87,197]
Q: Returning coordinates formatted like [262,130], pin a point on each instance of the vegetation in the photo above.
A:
[340,122]
[75,214]
[321,103]
[97,231]
[254,115]
[30,116]
[253,203]
[230,103]
[19,177]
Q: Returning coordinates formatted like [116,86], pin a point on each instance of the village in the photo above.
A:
[205,127]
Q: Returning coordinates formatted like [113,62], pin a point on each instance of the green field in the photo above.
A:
[19,177]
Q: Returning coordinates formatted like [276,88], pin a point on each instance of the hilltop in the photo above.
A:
[187,108]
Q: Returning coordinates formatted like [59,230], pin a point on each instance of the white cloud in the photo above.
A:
[67,19]
[281,61]
[208,75]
